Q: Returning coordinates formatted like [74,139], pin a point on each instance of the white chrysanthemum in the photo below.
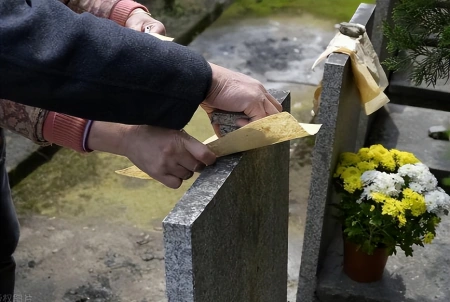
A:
[369,176]
[386,183]
[412,170]
[420,175]
[416,187]
[437,201]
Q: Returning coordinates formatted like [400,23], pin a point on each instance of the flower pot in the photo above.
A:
[362,267]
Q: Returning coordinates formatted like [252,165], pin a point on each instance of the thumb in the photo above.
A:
[155,27]
[200,151]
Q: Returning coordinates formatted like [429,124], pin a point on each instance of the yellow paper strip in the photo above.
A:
[271,130]
[135,172]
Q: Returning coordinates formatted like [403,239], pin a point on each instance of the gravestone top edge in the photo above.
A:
[363,14]
[202,191]
[337,59]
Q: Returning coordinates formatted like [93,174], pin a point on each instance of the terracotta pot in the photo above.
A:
[362,267]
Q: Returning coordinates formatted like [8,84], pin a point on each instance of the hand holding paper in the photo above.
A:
[271,130]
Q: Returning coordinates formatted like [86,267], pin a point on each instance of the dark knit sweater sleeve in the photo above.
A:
[92,68]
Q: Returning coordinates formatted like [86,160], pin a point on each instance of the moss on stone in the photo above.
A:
[339,10]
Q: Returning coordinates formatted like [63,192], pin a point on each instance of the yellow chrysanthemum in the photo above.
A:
[428,238]
[339,171]
[382,155]
[352,183]
[388,162]
[363,153]
[393,207]
[372,208]
[401,220]
[349,159]
[402,158]
[414,201]
[379,149]
[379,197]
[366,166]
[350,172]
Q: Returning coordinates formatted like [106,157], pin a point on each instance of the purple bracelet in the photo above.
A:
[87,129]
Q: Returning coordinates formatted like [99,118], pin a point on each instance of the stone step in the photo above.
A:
[403,91]
[422,278]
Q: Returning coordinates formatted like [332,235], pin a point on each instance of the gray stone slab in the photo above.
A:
[339,115]
[226,239]
[344,128]
[406,128]
[407,93]
[422,278]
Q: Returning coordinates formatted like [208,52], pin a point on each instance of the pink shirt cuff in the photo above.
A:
[67,131]
[122,10]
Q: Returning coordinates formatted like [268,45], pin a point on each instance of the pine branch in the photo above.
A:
[417,25]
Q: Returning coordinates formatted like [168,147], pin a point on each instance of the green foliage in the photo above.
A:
[420,34]
[338,10]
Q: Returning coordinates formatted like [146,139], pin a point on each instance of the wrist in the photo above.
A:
[108,137]
[123,9]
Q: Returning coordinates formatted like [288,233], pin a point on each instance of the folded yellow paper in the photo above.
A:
[271,130]
[370,77]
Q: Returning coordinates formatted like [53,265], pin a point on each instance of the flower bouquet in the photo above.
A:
[389,199]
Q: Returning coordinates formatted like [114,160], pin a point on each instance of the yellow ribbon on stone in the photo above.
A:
[267,131]
[370,77]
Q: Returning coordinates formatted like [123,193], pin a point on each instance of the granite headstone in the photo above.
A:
[226,239]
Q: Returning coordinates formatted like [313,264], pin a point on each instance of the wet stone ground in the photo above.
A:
[100,238]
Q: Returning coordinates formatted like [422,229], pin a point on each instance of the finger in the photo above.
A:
[258,110]
[216,129]
[155,27]
[200,168]
[270,108]
[180,171]
[199,151]
[169,181]
[242,122]
[208,109]
[189,162]
[274,101]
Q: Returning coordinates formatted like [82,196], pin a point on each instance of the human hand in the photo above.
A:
[237,92]
[139,20]
[169,156]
